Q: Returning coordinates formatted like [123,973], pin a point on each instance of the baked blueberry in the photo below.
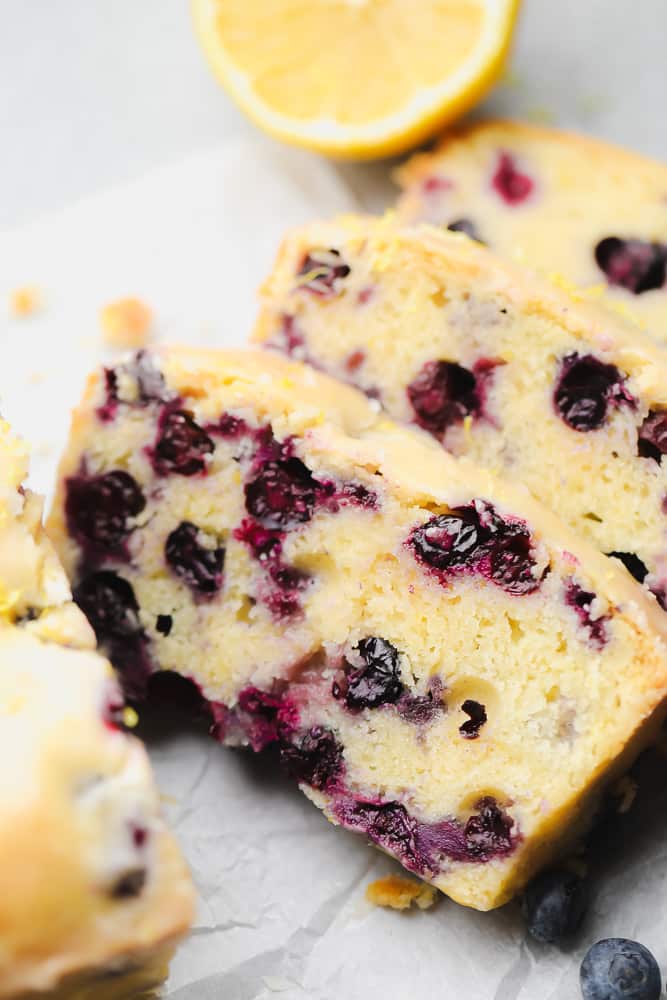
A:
[316,758]
[636,265]
[99,510]
[182,446]
[198,565]
[322,272]
[375,680]
[282,495]
[509,182]
[477,717]
[442,394]
[586,389]
[652,436]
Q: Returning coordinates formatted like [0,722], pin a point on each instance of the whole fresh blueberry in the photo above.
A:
[553,905]
[618,969]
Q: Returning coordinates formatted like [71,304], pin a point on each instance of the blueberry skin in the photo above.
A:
[554,905]
[618,969]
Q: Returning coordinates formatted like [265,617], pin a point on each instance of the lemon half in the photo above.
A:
[355,78]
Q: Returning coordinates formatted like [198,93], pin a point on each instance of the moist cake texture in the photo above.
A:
[444,667]
[494,363]
[559,202]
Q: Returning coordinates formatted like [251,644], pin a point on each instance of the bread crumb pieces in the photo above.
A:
[126,323]
[400,893]
[24,301]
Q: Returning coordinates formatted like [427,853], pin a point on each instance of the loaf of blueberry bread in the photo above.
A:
[445,667]
[591,212]
[94,891]
[495,363]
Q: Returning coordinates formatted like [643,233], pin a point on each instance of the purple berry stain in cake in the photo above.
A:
[652,436]
[488,832]
[314,758]
[229,427]
[198,565]
[109,604]
[442,394]
[424,847]
[288,339]
[149,385]
[354,361]
[282,495]
[182,446]
[107,411]
[263,544]
[636,265]
[266,717]
[435,185]
[113,711]
[580,601]
[351,494]
[373,678]
[659,591]
[99,512]
[283,598]
[586,389]
[322,272]
[474,538]
[513,186]
[476,712]
[422,709]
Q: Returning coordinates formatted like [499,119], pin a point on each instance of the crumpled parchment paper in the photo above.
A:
[282,909]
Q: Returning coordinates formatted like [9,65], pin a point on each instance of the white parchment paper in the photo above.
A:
[282,909]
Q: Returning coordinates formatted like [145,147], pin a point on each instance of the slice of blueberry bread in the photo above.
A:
[445,668]
[95,892]
[495,363]
[589,211]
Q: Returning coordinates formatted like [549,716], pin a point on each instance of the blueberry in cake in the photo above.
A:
[95,892]
[443,666]
[494,363]
[591,212]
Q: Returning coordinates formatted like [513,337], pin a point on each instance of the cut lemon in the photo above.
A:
[355,78]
